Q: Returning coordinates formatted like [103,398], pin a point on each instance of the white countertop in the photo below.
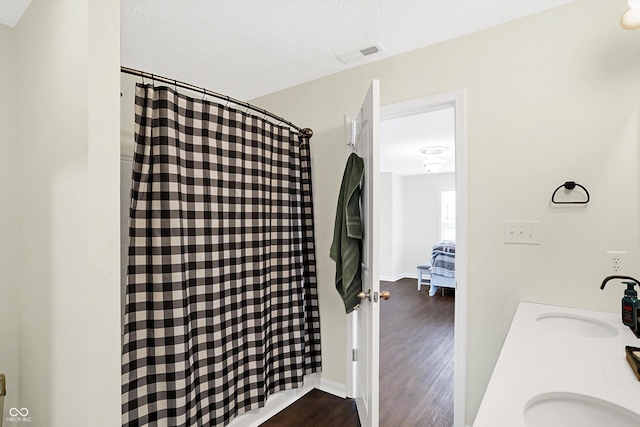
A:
[537,358]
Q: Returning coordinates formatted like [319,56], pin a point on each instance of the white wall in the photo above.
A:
[421,219]
[407,237]
[66,236]
[386,226]
[103,338]
[397,238]
[9,291]
[549,98]
[391,228]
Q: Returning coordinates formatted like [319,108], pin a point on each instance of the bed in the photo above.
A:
[443,266]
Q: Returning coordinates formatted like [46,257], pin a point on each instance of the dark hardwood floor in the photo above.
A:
[416,367]
[416,356]
[317,409]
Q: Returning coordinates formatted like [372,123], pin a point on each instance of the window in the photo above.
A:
[448,215]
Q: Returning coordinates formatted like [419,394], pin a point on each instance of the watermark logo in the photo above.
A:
[18,415]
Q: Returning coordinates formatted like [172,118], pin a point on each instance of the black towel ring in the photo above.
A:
[570,185]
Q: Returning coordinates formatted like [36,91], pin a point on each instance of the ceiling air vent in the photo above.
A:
[358,54]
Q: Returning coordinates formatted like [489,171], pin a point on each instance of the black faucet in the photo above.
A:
[606,279]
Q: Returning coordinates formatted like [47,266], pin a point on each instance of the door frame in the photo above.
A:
[406,108]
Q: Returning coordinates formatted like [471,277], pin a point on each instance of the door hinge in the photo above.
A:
[354,355]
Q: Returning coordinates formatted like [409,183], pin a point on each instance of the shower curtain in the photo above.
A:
[221,306]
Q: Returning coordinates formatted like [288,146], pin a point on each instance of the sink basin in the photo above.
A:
[572,324]
[571,409]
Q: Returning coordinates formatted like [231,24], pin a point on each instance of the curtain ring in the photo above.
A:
[153,81]
[204,91]
[227,104]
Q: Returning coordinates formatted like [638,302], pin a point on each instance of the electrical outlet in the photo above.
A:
[522,232]
[616,262]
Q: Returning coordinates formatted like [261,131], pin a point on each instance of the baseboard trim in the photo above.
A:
[391,279]
[332,387]
[399,276]
[275,403]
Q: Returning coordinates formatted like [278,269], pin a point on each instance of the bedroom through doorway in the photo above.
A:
[417,239]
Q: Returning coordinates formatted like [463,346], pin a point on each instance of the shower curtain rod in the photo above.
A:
[154,77]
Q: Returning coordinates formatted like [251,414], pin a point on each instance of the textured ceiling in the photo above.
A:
[402,138]
[249,48]
[11,11]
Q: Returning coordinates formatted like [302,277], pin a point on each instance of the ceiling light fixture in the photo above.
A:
[630,20]
[435,150]
[432,167]
[433,164]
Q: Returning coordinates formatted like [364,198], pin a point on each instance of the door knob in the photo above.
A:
[362,295]
[384,295]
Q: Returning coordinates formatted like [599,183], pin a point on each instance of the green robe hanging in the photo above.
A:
[346,249]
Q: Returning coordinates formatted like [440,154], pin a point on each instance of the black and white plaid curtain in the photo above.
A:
[221,298]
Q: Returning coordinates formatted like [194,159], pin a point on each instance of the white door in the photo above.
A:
[367,316]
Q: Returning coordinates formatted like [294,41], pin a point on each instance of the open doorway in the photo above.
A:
[354,346]
[417,228]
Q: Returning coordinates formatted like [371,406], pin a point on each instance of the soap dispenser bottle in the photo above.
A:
[630,306]
[630,303]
